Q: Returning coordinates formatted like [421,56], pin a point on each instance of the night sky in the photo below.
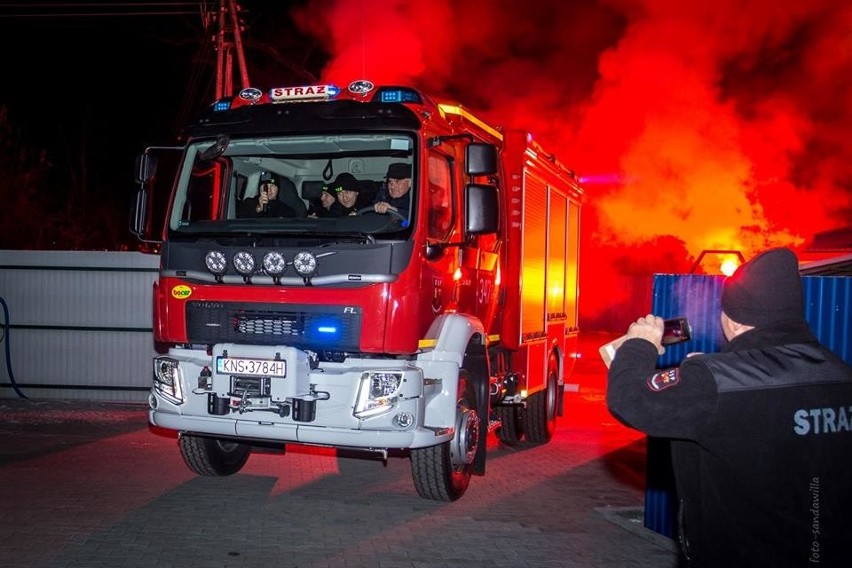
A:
[695,125]
[93,83]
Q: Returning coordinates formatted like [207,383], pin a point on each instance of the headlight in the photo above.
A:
[377,393]
[216,262]
[167,379]
[274,263]
[244,263]
[305,263]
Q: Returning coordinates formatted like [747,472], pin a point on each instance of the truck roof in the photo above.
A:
[318,108]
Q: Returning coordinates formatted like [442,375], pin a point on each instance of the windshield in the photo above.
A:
[296,184]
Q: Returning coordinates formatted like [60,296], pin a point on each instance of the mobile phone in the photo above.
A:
[676,330]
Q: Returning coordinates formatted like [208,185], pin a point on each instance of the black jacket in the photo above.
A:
[337,209]
[761,441]
[402,204]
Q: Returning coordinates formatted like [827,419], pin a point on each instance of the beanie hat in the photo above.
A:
[765,290]
[344,181]
[399,170]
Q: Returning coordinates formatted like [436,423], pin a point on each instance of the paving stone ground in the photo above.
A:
[90,484]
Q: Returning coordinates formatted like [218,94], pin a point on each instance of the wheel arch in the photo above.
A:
[476,362]
[457,341]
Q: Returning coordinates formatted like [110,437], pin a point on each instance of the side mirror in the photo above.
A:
[480,159]
[146,168]
[481,216]
[482,209]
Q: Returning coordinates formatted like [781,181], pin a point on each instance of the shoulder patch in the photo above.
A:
[664,379]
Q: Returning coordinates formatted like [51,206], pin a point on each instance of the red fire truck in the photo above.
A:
[409,333]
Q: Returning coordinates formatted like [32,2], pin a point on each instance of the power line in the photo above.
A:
[89,4]
[97,14]
[97,9]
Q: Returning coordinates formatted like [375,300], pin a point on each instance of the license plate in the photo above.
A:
[251,367]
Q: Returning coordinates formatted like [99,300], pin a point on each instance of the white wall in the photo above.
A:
[79,324]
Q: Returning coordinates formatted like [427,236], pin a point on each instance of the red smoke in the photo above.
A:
[697,125]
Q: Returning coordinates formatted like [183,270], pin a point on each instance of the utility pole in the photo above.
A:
[229,44]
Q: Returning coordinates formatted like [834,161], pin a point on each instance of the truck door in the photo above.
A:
[440,192]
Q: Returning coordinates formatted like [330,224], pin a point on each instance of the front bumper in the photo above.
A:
[311,406]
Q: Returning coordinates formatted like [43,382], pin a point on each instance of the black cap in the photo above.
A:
[765,290]
[344,181]
[399,170]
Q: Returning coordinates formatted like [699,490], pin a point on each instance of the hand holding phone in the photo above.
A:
[675,330]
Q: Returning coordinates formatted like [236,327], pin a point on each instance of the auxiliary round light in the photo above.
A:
[274,263]
[244,262]
[216,262]
[305,263]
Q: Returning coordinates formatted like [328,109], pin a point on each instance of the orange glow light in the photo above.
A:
[729,265]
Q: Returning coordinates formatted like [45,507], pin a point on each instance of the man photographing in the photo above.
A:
[266,203]
[760,433]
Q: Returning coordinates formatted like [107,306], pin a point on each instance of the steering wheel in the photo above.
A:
[391,212]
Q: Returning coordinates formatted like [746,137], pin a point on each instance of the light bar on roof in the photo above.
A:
[398,95]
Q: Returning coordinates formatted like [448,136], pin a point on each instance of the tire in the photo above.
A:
[442,472]
[511,428]
[213,457]
[540,414]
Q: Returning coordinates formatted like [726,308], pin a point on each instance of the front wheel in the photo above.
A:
[213,457]
[442,472]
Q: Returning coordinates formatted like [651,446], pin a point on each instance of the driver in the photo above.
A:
[395,196]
